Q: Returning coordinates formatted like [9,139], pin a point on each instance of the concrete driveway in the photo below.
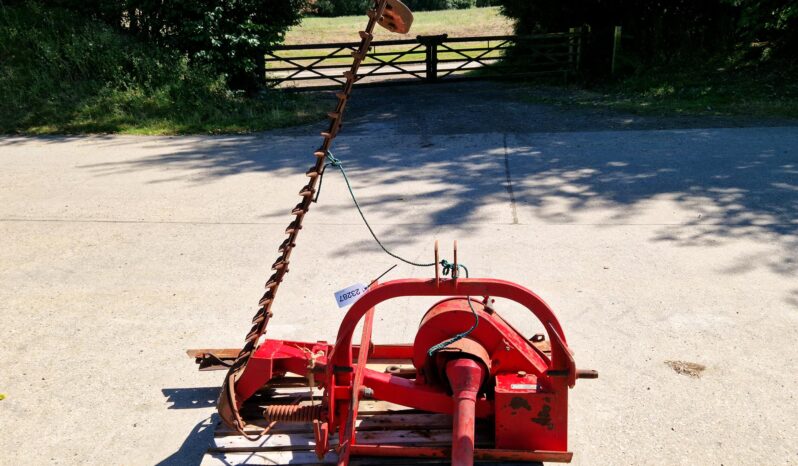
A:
[654,240]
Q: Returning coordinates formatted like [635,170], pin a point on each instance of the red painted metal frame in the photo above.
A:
[333,367]
[466,377]
[342,354]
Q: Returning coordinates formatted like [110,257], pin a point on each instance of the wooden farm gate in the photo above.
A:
[427,58]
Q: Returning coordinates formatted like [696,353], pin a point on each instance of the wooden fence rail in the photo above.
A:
[427,58]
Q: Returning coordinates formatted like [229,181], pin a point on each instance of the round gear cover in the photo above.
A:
[397,17]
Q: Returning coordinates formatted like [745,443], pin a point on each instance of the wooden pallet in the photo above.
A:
[378,422]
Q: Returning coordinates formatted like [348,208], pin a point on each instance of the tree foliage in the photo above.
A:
[339,7]
[62,72]
[228,35]
[772,23]
[660,31]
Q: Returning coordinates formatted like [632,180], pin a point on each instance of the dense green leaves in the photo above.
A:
[61,72]
[228,35]
[771,24]
[662,31]
[340,7]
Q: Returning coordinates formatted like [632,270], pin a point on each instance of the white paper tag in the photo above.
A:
[349,295]
[522,386]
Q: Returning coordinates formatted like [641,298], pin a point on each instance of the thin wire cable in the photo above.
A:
[446,266]
[449,267]
[339,165]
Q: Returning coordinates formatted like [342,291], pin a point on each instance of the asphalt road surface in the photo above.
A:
[658,242]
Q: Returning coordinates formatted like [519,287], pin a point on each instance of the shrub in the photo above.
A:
[340,7]
[665,30]
[61,72]
[230,36]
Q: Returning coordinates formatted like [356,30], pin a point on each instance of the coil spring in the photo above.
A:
[292,413]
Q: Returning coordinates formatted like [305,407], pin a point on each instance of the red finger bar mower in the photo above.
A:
[494,373]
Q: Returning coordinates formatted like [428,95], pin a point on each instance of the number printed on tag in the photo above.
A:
[349,295]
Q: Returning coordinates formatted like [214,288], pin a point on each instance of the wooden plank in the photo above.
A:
[300,441]
[305,440]
[309,459]
[365,422]
[222,353]
[305,458]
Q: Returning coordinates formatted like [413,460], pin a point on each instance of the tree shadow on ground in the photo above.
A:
[720,184]
[195,445]
[199,439]
[711,185]
[191,398]
[697,188]
[435,165]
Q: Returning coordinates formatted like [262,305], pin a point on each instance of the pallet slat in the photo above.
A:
[378,423]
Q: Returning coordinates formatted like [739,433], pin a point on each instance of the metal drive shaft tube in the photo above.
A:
[465,377]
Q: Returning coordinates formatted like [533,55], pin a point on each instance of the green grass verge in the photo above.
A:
[61,73]
[456,23]
[123,113]
[763,91]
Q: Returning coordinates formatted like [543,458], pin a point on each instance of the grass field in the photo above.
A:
[455,23]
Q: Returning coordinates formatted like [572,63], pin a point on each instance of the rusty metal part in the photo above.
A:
[398,19]
[437,261]
[292,413]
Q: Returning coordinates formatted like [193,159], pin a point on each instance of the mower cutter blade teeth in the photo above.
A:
[264,300]
[293,227]
[248,347]
[273,281]
[299,209]
[230,413]
[280,264]
[258,319]
[307,191]
[287,244]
